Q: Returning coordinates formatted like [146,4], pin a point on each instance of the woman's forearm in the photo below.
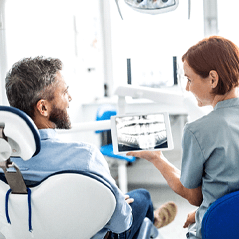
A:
[170,173]
[172,176]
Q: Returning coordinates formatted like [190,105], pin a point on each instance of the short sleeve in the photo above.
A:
[192,161]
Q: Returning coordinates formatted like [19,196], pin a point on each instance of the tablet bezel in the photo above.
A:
[115,139]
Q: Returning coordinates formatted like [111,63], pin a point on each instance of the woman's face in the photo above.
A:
[201,88]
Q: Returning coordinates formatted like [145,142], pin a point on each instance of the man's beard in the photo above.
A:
[60,118]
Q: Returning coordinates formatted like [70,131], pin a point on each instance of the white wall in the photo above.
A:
[228,19]
[69,30]
[152,38]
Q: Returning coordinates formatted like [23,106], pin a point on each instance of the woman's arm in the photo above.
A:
[172,175]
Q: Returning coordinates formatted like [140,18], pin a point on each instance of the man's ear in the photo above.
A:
[43,107]
[214,78]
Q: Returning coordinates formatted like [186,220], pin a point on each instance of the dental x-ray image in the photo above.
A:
[141,132]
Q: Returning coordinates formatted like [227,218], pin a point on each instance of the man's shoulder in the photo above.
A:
[84,146]
[62,147]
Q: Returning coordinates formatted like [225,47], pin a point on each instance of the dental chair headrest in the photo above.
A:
[23,139]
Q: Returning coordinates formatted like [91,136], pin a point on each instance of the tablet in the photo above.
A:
[141,132]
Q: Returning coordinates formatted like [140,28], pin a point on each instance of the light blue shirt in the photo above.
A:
[56,155]
[211,156]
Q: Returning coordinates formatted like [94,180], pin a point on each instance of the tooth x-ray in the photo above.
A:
[141,132]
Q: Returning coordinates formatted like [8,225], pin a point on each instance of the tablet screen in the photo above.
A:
[141,132]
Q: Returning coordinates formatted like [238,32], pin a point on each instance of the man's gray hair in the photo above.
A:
[30,80]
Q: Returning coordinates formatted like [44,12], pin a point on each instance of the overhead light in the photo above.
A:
[151,6]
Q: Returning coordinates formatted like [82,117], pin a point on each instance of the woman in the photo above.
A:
[210,162]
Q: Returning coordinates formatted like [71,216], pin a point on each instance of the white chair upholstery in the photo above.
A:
[16,125]
[63,206]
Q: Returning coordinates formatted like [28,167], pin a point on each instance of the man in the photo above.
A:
[37,87]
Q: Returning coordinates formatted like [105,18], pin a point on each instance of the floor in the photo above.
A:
[162,194]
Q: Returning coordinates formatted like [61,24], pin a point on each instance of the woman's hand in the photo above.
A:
[190,219]
[151,156]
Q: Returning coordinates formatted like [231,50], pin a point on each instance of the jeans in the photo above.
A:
[141,207]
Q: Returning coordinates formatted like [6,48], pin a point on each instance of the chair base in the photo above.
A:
[148,230]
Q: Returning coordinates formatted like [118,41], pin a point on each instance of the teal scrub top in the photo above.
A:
[211,156]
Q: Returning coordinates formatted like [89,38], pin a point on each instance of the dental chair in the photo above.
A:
[221,220]
[68,204]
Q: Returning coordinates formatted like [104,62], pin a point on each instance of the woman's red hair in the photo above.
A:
[219,54]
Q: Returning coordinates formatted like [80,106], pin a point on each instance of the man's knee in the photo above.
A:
[141,192]
[145,193]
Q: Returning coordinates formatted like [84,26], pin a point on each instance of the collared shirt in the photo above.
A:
[56,156]
[210,156]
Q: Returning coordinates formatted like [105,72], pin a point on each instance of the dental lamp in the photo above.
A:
[150,6]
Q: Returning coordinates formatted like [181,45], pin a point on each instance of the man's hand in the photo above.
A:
[190,219]
[128,199]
